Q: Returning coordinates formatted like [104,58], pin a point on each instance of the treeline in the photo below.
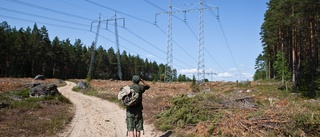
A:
[290,37]
[29,52]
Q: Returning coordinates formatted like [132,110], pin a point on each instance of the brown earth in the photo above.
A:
[97,117]
[273,116]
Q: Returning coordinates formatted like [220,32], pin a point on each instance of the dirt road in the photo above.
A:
[95,117]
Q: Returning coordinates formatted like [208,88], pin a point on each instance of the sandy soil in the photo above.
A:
[95,117]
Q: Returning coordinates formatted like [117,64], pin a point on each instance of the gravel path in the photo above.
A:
[95,117]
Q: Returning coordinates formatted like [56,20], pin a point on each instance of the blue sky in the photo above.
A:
[232,42]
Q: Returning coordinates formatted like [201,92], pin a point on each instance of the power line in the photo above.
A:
[225,38]
[44,23]
[147,50]
[20,12]
[177,44]
[28,4]
[190,29]
[144,40]
[119,12]
[154,5]
[204,48]
[200,38]
[213,59]
[47,9]
[135,44]
[129,16]
[153,45]
[72,4]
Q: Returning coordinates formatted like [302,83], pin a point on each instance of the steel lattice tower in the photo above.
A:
[117,43]
[118,48]
[201,68]
[168,69]
[94,48]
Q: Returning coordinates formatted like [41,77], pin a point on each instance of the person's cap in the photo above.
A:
[136,78]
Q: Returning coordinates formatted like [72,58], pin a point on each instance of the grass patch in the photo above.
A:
[187,111]
[26,116]
[91,91]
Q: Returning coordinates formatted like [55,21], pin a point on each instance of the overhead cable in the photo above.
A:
[20,12]
[44,23]
[47,9]
[119,12]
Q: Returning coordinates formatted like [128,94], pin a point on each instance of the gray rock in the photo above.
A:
[4,105]
[82,85]
[38,90]
[39,77]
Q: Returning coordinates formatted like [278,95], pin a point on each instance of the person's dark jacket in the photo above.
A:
[139,88]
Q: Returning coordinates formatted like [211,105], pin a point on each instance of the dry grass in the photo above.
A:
[239,109]
[232,109]
[31,116]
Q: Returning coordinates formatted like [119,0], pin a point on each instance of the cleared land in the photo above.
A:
[219,109]
[97,117]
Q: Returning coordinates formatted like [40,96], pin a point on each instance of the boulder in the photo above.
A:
[39,77]
[43,90]
[82,85]
[4,105]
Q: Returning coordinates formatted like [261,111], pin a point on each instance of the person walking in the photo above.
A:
[134,117]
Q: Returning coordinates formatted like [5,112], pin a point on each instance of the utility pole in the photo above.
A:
[201,67]
[211,73]
[168,69]
[94,47]
[117,41]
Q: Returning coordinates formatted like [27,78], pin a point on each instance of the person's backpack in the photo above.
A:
[128,96]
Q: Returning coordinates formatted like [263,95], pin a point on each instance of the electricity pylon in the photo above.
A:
[94,47]
[201,67]
[168,69]
[117,42]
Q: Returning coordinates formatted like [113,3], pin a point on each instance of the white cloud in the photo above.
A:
[225,74]
[188,71]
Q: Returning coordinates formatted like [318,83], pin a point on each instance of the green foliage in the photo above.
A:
[165,127]
[282,69]
[244,84]
[260,67]
[306,121]
[42,116]
[194,86]
[29,52]
[186,111]
[186,135]
[29,103]
[183,78]
[289,42]
[23,93]
[21,99]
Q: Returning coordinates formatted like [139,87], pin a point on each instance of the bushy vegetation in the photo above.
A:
[29,116]
[290,40]
[247,108]
[28,52]
[188,111]
[92,91]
